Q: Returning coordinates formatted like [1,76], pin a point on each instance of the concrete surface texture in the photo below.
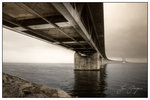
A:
[91,62]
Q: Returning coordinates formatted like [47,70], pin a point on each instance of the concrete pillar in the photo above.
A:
[91,62]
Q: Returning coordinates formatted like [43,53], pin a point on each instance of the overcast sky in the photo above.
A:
[21,48]
[126,31]
[125,37]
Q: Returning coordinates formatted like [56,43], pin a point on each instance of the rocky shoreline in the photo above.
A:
[14,87]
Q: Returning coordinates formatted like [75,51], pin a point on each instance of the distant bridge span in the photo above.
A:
[76,26]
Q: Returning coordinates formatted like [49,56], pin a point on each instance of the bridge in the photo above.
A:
[76,26]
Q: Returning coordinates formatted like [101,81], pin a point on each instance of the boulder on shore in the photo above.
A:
[14,87]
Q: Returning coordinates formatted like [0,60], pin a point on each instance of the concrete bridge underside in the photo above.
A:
[76,26]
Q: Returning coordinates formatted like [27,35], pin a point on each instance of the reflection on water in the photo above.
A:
[90,83]
[113,80]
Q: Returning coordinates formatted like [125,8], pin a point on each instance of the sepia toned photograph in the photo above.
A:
[74,49]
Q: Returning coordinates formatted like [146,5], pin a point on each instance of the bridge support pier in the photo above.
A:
[90,62]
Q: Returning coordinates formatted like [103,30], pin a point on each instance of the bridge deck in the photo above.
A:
[77,26]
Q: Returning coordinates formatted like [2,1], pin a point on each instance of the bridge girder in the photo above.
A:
[79,35]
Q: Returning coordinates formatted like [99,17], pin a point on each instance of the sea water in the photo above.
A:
[113,80]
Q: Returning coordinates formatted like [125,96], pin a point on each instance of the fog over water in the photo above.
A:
[125,37]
